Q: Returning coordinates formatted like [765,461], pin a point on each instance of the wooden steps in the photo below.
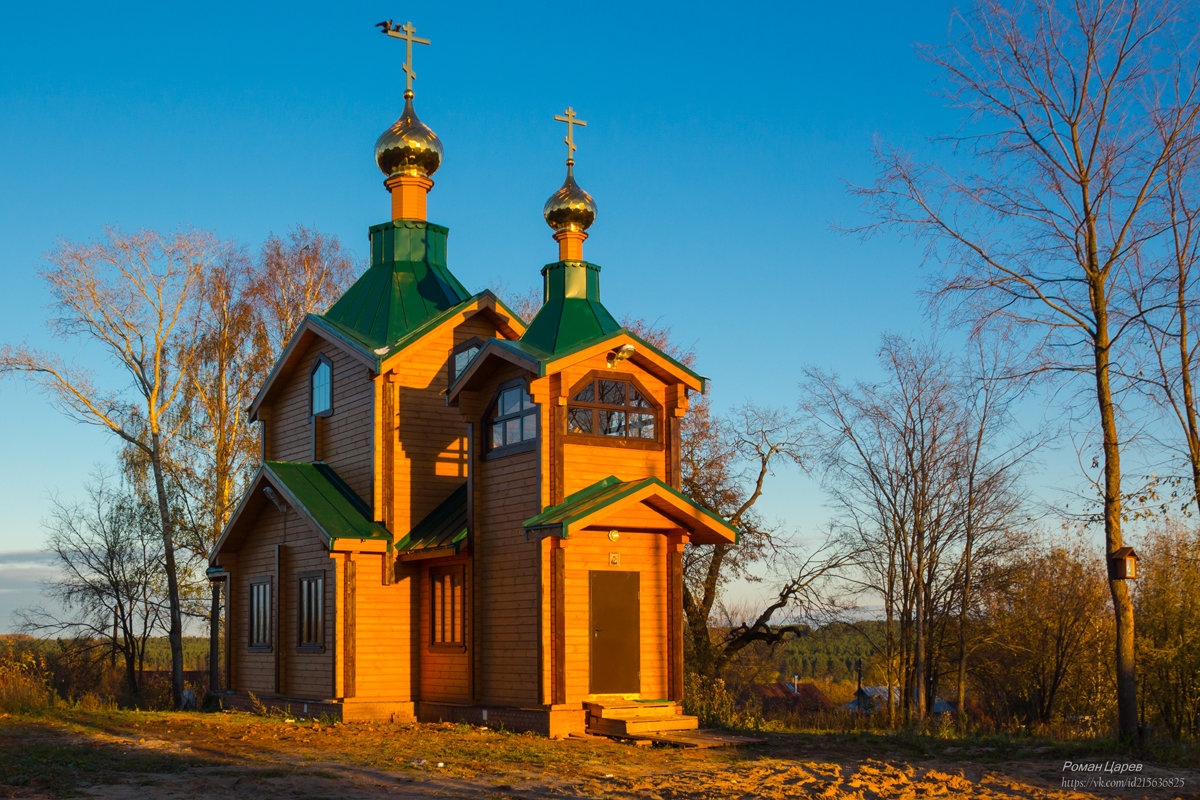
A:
[635,719]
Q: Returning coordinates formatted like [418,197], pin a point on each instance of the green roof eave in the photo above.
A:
[604,493]
[345,335]
[332,506]
[445,527]
[542,357]
[381,354]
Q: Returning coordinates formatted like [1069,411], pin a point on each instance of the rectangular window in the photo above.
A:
[260,612]
[312,611]
[447,607]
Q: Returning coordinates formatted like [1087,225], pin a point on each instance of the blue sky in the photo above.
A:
[720,143]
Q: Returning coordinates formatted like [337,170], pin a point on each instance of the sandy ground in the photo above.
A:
[223,756]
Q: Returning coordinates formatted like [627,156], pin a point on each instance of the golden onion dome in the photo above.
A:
[408,147]
[570,208]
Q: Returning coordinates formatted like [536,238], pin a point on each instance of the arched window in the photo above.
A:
[321,388]
[609,406]
[513,420]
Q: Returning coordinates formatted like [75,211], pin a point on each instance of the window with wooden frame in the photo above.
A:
[311,605]
[447,614]
[513,421]
[320,384]
[260,614]
[613,409]
[462,356]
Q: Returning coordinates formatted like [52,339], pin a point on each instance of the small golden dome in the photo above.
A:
[570,208]
[408,147]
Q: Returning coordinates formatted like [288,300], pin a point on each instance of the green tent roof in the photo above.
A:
[445,526]
[326,499]
[407,285]
[572,314]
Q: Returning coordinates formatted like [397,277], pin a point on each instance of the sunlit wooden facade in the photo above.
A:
[461,516]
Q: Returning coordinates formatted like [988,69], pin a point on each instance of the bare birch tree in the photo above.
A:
[126,295]
[218,448]
[302,273]
[1075,111]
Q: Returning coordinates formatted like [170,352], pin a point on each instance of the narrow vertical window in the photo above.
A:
[321,386]
[447,611]
[260,612]
[311,603]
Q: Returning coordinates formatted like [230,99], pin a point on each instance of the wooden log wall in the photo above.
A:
[283,547]
[344,439]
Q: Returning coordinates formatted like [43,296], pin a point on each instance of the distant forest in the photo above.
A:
[830,652]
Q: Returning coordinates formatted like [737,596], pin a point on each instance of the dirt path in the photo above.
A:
[177,756]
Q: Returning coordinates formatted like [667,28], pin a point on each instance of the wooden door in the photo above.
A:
[614,618]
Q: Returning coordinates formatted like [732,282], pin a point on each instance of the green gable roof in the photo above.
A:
[407,285]
[604,493]
[325,499]
[445,526]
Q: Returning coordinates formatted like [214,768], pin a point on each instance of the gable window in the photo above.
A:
[260,613]
[321,388]
[312,610]
[514,419]
[447,607]
[462,356]
[613,407]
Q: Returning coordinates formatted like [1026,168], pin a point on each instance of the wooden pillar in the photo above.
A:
[349,633]
[558,633]
[674,567]
[229,611]
[277,620]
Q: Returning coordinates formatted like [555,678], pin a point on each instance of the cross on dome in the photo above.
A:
[570,140]
[404,32]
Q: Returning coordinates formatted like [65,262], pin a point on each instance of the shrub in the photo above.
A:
[23,683]
[711,701]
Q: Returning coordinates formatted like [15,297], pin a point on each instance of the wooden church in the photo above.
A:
[461,515]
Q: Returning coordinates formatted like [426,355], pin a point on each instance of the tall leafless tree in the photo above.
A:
[217,449]
[126,295]
[1074,112]
[301,273]
[924,480]
[110,574]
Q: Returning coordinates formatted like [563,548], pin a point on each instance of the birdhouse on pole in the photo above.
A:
[1122,564]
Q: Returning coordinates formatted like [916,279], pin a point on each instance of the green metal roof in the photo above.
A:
[572,314]
[604,493]
[407,285]
[326,499]
[445,526]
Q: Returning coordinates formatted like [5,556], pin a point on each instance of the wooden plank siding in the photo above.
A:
[344,439]
[385,633]
[506,591]
[647,554]
[427,440]
[303,672]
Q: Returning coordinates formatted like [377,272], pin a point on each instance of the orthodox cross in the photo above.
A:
[404,32]
[570,140]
